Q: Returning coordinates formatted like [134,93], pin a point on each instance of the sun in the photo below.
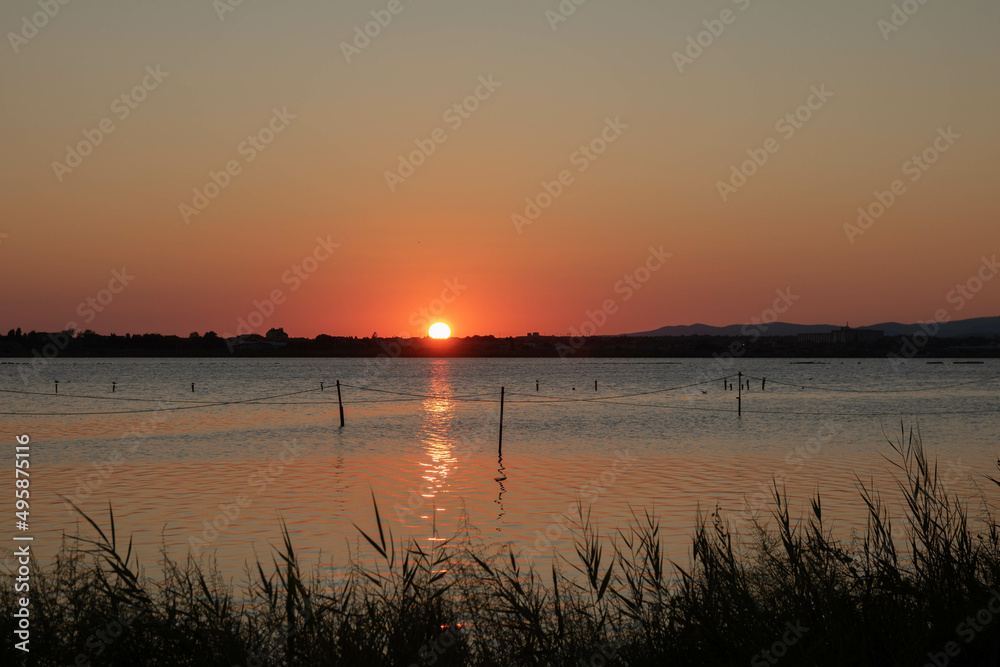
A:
[439,330]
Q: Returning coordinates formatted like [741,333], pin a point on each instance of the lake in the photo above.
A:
[421,435]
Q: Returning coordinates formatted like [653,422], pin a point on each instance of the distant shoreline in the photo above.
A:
[46,345]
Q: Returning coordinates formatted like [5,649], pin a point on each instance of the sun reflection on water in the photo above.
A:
[437,438]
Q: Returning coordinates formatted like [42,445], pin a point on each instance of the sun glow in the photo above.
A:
[439,330]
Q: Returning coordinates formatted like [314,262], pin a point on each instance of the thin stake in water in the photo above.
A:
[340,403]
[500,440]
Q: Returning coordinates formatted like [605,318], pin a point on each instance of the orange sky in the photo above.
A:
[198,85]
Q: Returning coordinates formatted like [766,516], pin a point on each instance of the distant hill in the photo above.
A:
[979,326]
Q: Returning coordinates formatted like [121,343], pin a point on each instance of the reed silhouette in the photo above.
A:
[789,591]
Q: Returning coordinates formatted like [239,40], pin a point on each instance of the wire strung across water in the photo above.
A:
[484,398]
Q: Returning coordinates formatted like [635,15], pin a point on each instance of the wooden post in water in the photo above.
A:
[113,387]
[321,386]
[500,440]
[595,385]
[763,381]
[57,386]
[536,385]
[340,404]
[192,387]
[739,396]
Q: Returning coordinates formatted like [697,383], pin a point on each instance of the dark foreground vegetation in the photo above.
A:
[790,593]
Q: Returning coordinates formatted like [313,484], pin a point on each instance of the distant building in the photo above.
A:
[844,336]
[256,343]
[277,336]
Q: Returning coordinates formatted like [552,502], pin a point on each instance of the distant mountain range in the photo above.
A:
[979,326]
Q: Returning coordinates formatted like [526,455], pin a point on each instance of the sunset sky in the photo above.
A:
[331,111]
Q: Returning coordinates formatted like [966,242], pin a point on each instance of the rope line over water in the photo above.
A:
[100,398]
[873,391]
[493,397]
[819,414]
[605,398]
[457,397]
[161,409]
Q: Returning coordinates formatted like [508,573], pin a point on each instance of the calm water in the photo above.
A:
[430,454]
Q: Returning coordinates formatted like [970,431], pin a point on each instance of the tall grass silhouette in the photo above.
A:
[790,592]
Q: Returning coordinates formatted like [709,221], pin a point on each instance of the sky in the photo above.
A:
[181,167]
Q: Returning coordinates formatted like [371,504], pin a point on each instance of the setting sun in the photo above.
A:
[439,330]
